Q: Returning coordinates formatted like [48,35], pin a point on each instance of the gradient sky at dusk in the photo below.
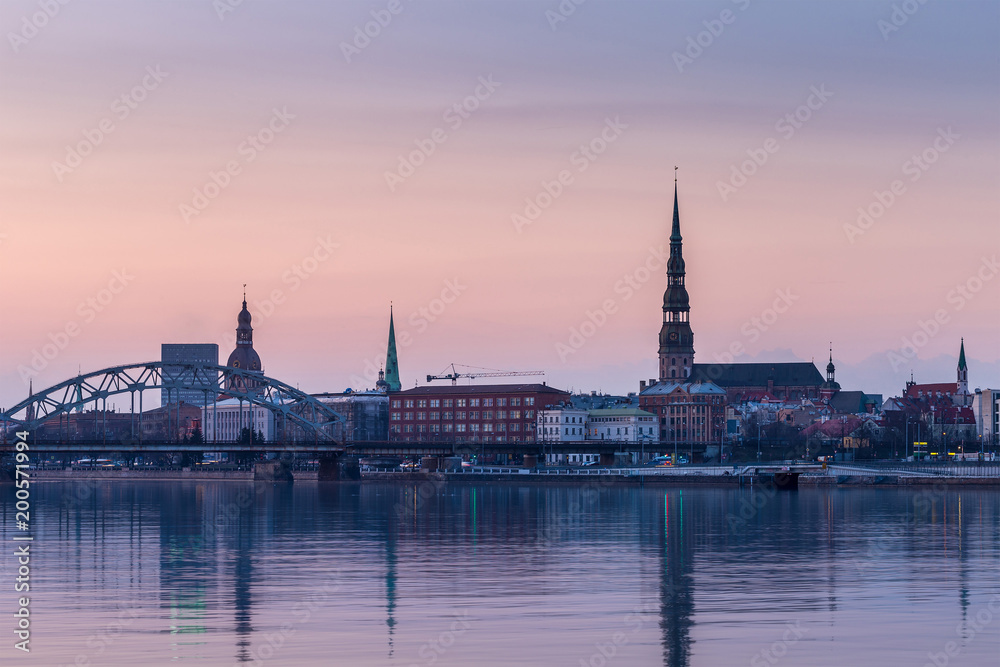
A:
[521,292]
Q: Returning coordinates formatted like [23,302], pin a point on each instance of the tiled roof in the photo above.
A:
[788,374]
[483,389]
[662,388]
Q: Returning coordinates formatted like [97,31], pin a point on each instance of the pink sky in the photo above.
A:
[322,181]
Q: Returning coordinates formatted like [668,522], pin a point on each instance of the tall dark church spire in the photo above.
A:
[391,360]
[676,337]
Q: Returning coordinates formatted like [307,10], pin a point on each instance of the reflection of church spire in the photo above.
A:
[676,600]
[390,586]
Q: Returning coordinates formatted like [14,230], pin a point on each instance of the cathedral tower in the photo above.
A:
[676,338]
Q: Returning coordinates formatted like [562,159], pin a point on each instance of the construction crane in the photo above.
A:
[478,373]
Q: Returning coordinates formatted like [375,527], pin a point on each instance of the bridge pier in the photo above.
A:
[272,471]
[329,468]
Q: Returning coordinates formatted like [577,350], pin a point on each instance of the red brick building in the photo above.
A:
[484,413]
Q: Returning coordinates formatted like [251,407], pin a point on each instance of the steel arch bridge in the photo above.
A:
[294,406]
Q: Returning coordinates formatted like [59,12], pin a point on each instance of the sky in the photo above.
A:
[502,174]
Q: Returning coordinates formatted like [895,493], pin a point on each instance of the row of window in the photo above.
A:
[457,428]
[460,402]
[461,416]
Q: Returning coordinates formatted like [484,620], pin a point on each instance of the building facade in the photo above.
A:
[689,413]
[986,408]
[187,353]
[365,415]
[225,420]
[483,413]
[562,424]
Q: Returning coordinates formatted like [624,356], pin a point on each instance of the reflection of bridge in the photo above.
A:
[287,404]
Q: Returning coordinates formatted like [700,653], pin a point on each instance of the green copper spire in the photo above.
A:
[961,357]
[391,362]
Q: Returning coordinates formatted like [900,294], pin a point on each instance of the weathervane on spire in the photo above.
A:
[675,174]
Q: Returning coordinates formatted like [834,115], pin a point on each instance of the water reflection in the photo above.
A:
[385,574]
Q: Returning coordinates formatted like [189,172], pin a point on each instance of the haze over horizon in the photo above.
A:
[157,156]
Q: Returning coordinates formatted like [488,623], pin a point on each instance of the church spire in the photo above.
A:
[676,339]
[963,371]
[391,361]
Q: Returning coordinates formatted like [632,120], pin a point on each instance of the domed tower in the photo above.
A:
[676,337]
[244,356]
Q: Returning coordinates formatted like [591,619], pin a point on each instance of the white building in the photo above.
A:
[563,424]
[630,425]
[225,420]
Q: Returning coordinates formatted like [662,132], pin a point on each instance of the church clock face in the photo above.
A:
[673,335]
[236,364]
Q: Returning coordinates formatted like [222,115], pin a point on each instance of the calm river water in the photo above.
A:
[221,573]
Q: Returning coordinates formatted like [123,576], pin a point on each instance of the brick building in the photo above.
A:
[483,413]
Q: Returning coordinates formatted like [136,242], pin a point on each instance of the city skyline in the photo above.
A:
[321,208]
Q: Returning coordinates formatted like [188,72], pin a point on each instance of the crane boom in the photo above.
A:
[489,373]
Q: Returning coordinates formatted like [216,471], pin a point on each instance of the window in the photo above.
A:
[422,403]
[460,428]
[501,426]
[488,428]
[396,403]
[395,428]
[529,414]
[473,415]
[435,403]
[421,416]
[435,428]
[501,402]
[447,428]
[529,400]
[447,403]
[435,416]
[409,428]
[408,416]
[447,416]
[487,414]
[459,415]
[515,401]
[474,428]
[395,416]
[487,402]
[422,428]
[409,403]
[460,403]
[473,402]
[515,427]
[515,414]
[501,414]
